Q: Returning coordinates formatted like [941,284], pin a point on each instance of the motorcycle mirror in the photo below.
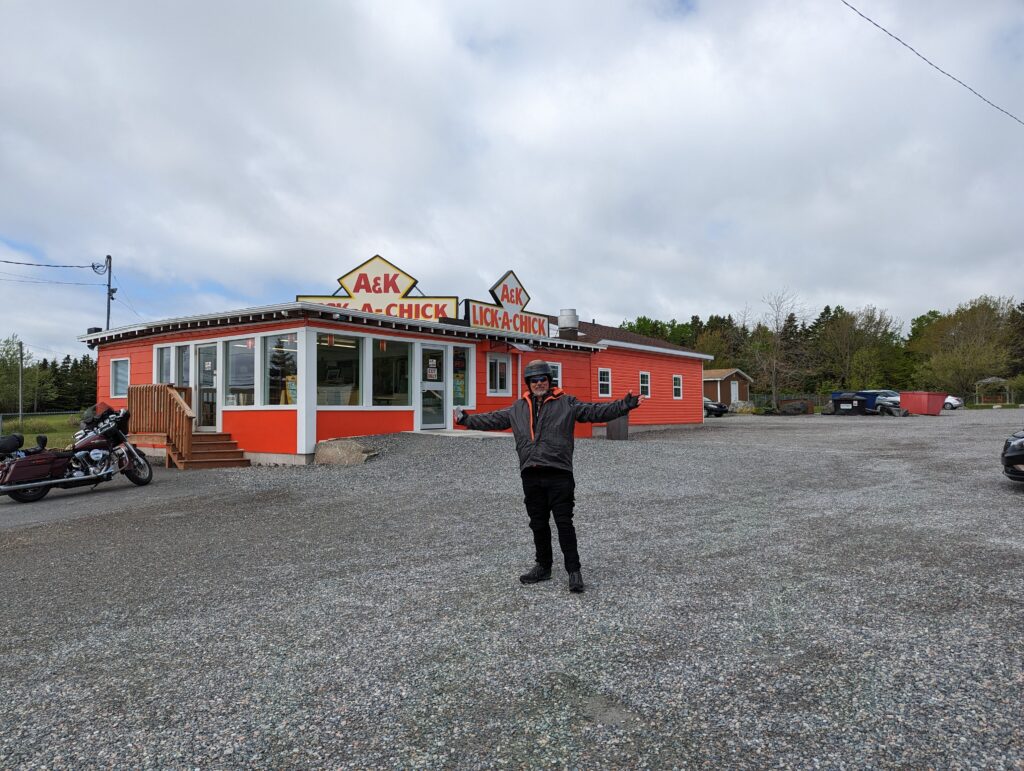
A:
[41,440]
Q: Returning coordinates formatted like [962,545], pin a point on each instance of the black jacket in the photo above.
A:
[549,443]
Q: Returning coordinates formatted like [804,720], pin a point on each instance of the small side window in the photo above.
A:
[120,370]
[645,384]
[604,382]
[677,386]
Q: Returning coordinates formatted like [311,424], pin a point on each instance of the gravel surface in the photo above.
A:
[761,592]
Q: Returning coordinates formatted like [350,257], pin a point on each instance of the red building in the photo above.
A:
[375,360]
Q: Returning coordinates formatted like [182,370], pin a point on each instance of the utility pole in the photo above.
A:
[21,368]
[110,292]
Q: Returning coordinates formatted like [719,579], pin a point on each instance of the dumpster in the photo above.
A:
[618,428]
[922,402]
[846,403]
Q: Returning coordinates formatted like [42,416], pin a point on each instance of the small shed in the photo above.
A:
[992,390]
[727,385]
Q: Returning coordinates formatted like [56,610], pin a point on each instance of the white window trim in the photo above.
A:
[557,367]
[156,364]
[113,380]
[470,373]
[677,379]
[508,374]
[648,394]
[599,393]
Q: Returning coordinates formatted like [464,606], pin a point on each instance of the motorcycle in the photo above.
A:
[1013,457]
[97,452]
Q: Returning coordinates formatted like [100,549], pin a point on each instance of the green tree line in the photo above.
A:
[786,350]
[47,385]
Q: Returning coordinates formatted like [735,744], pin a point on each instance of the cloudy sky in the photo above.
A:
[655,157]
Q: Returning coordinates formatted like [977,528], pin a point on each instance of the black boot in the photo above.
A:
[576,581]
[537,573]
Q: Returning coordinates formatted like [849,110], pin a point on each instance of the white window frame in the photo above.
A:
[677,386]
[556,374]
[508,377]
[113,380]
[645,391]
[470,372]
[600,391]
[156,364]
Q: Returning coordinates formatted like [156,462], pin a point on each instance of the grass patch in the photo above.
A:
[58,428]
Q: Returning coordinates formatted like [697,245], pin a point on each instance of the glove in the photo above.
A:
[460,415]
[631,401]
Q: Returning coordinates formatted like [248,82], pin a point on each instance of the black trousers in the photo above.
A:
[550,491]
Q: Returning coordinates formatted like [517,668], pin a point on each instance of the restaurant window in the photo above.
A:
[604,382]
[498,380]
[163,364]
[241,364]
[281,369]
[645,384]
[119,370]
[677,386]
[556,374]
[182,371]
[338,369]
[460,377]
[391,367]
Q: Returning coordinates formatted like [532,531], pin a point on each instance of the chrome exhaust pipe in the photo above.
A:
[4,489]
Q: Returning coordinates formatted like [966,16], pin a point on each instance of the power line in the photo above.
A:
[41,265]
[932,64]
[124,299]
[44,281]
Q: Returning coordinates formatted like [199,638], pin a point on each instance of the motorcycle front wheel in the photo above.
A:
[29,495]
[140,472]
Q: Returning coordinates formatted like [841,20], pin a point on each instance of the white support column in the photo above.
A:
[415,382]
[258,371]
[221,378]
[367,371]
[305,434]
[449,384]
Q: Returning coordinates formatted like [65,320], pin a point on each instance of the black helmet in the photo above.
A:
[536,368]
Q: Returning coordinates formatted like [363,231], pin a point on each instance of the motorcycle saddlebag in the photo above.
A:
[11,443]
[41,466]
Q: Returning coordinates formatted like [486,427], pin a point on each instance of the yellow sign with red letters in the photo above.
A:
[379,287]
[506,314]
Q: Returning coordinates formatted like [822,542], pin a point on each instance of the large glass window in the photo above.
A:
[241,362]
[181,375]
[281,369]
[498,381]
[119,378]
[460,377]
[163,365]
[391,367]
[338,367]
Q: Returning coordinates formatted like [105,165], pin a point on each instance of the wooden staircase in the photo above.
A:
[160,413]
[208,451]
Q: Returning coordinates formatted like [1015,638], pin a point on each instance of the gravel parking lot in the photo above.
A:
[762,592]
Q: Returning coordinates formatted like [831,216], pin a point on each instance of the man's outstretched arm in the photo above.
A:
[602,412]
[498,420]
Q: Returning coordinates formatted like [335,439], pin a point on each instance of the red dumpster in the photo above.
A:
[922,402]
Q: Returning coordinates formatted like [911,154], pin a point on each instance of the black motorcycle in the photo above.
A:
[98,452]
[1013,457]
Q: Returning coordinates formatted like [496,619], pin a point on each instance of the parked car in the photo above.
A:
[953,403]
[714,408]
[1013,457]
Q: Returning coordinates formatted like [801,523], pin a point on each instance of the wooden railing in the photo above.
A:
[150,406]
[179,430]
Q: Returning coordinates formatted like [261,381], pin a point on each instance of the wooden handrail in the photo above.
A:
[179,430]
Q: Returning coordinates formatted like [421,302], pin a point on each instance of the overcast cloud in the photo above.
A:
[624,158]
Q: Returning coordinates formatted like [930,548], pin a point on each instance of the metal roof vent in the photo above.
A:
[568,324]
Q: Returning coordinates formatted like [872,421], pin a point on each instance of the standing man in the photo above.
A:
[542,423]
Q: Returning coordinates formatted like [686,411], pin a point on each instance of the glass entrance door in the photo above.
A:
[206,387]
[432,385]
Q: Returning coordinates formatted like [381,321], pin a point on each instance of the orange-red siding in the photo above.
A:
[332,424]
[262,430]
[660,408]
